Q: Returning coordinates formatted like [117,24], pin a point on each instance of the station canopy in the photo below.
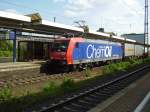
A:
[34,23]
[12,20]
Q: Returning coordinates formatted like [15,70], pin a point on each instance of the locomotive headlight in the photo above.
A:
[64,62]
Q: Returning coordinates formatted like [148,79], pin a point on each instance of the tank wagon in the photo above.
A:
[80,52]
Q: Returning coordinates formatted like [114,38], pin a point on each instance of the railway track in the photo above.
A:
[19,81]
[86,100]
[21,74]
[27,78]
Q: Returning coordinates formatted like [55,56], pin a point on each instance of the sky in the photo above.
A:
[118,16]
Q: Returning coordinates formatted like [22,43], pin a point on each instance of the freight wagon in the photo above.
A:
[132,50]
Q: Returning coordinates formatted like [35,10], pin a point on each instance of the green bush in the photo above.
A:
[135,62]
[6,45]
[5,53]
[68,84]
[5,94]
[1,53]
[51,88]
[146,60]
[122,66]
[86,72]
[109,69]
[113,68]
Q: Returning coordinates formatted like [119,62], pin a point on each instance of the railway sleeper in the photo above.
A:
[105,92]
[77,107]
[100,94]
[103,96]
[115,87]
[90,101]
[83,102]
[68,109]
[112,90]
[95,96]
[88,98]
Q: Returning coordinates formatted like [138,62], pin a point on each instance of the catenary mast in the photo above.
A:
[146,39]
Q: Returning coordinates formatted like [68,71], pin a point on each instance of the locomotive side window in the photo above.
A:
[77,45]
[60,46]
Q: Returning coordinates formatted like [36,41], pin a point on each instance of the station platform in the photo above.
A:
[128,99]
[10,66]
[147,107]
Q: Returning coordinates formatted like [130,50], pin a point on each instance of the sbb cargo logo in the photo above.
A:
[98,51]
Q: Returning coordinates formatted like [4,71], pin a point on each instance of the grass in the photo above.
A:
[5,94]
[51,88]
[114,68]
[6,53]
[123,66]
[54,88]
[86,72]
[68,85]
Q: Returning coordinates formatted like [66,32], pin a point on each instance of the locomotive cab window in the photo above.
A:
[60,46]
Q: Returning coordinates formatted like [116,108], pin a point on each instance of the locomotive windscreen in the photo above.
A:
[60,46]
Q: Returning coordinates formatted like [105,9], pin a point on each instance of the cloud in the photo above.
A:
[112,15]
[77,7]
[59,0]
[134,6]
[12,11]
[81,7]
[70,13]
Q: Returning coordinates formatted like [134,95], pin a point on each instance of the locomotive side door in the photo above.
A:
[82,52]
[78,46]
[78,53]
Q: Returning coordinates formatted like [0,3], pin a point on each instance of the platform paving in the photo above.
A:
[10,66]
[128,99]
[146,107]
